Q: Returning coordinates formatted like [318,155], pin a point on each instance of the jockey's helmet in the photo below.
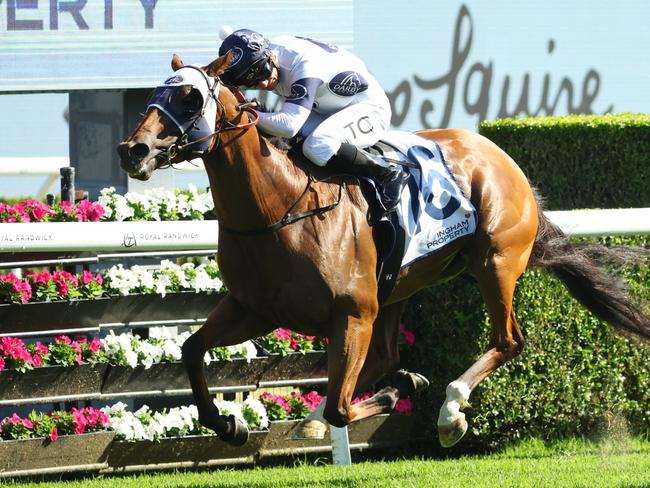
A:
[251,61]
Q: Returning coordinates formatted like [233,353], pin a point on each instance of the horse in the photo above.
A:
[297,249]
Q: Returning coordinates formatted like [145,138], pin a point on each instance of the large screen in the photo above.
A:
[62,45]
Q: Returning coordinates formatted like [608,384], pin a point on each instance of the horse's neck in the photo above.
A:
[252,183]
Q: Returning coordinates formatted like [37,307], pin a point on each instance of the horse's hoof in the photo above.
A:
[238,433]
[309,430]
[415,382]
[450,434]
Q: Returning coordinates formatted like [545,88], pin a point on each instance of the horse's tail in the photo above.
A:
[582,270]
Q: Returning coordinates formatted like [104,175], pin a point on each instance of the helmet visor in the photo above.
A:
[256,73]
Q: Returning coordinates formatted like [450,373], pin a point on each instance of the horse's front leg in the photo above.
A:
[228,324]
[382,358]
[346,352]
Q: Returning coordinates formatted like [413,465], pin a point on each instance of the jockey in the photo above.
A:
[328,97]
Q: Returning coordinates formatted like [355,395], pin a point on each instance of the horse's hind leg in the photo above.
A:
[228,324]
[496,276]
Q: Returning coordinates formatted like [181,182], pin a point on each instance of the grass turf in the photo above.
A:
[531,463]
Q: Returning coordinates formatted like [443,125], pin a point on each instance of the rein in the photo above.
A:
[175,149]
[245,106]
[290,218]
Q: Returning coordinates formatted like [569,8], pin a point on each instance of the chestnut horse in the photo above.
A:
[316,273]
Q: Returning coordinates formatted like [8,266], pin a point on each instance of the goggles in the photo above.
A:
[256,73]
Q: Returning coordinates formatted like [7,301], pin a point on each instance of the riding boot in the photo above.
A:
[389,176]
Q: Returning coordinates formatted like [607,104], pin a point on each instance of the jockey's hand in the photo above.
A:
[259,106]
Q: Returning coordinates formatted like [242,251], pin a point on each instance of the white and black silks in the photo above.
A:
[195,115]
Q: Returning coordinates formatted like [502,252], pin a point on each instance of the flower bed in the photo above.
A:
[168,277]
[127,363]
[145,439]
[37,211]
[155,204]
[85,452]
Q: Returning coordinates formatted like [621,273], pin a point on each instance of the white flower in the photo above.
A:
[246,350]
[182,205]
[122,208]
[149,353]
[107,200]
[120,347]
[230,408]
[144,277]
[161,284]
[171,350]
[117,409]
[255,413]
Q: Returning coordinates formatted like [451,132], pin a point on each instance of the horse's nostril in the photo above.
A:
[138,152]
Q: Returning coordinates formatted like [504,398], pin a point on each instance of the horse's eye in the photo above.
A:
[193,101]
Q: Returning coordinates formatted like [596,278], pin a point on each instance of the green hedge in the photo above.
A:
[606,157]
[576,375]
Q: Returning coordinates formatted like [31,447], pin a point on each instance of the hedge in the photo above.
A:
[575,377]
[606,157]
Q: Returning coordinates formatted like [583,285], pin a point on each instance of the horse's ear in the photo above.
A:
[219,65]
[177,62]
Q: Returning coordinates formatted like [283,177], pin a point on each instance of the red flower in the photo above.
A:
[54,435]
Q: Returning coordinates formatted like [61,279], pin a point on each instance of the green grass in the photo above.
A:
[619,463]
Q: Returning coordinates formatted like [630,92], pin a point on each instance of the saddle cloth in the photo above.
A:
[432,213]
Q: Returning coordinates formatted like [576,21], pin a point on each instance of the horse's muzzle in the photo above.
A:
[136,159]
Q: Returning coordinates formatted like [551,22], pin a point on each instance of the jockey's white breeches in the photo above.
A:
[360,123]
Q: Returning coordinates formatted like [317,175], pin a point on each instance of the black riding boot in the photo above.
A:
[389,176]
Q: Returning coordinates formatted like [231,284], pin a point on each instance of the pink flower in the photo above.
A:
[409,337]
[37,361]
[62,288]
[28,423]
[282,334]
[99,279]
[103,418]
[86,277]
[63,338]
[2,363]
[96,344]
[54,435]
[363,397]
[312,399]
[404,406]
[282,402]
[37,209]
[89,211]
[43,277]
[79,420]
[41,348]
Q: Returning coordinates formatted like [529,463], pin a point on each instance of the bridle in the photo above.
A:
[182,144]
[225,125]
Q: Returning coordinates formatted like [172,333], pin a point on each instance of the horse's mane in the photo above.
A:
[291,150]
